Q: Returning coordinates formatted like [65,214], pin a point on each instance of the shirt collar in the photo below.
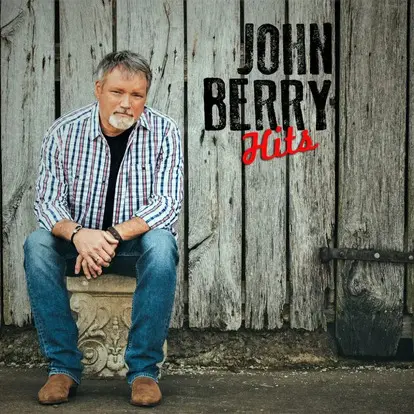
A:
[96,130]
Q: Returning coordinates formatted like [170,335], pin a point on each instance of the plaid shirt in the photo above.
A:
[75,164]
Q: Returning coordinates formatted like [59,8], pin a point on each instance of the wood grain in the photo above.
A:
[27,102]
[371,175]
[265,195]
[410,195]
[373,79]
[311,179]
[85,37]
[155,29]
[214,176]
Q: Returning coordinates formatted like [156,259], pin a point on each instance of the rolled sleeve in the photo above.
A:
[51,204]
[168,185]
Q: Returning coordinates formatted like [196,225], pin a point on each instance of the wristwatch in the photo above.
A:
[77,228]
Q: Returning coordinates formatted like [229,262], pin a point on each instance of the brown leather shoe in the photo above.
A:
[145,392]
[57,389]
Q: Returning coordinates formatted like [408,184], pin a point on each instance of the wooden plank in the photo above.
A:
[214,171]
[85,37]
[156,30]
[371,177]
[410,197]
[27,102]
[407,329]
[311,174]
[265,193]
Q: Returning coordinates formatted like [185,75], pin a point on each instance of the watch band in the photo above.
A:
[76,229]
[115,233]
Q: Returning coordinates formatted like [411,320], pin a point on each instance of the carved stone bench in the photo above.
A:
[102,307]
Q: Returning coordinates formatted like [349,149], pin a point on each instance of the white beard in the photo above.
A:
[121,122]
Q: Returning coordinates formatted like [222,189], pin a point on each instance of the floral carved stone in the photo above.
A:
[102,309]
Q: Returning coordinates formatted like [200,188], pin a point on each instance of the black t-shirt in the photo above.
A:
[118,146]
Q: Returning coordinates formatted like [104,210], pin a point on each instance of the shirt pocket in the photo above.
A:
[141,182]
[79,187]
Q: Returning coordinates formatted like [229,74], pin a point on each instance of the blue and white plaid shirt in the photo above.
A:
[75,165]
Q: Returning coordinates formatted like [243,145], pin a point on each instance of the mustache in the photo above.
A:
[123,113]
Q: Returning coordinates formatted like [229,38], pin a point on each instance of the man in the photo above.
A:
[110,188]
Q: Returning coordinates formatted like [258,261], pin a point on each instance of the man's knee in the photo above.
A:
[38,239]
[162,243]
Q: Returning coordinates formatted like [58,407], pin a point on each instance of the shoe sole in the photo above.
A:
[53,402]
[72,393]
[145,405]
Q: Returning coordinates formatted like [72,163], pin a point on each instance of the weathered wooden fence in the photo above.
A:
[249,234]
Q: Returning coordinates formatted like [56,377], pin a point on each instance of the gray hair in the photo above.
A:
[130,61]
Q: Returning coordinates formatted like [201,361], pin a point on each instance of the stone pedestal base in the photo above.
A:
[103,310]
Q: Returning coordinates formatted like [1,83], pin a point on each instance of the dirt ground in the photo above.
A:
[364,389]
[235,372]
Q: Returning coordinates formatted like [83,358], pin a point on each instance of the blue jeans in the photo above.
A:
[151,258]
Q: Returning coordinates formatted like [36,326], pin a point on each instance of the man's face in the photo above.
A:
[121,96]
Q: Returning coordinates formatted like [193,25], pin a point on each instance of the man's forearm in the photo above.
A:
[64,229]
[128,230]
[132,228]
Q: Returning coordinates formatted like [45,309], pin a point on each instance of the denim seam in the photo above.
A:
[129,332]
[132,313]
[55,371]
[157,369]
[142,374]
[39,326]
[165,335]
[166,322]
[166,329]
[40,330]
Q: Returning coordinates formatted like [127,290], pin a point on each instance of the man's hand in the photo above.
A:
[96,248]
[81,263]
[132,228]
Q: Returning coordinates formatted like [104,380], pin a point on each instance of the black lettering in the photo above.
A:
[210,101]
[263,30]
[325,48]
[259,103]
[288,49]
[286,102]
[248,50]
[320,102]
[235,101]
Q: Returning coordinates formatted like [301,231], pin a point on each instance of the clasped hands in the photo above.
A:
[96,248]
